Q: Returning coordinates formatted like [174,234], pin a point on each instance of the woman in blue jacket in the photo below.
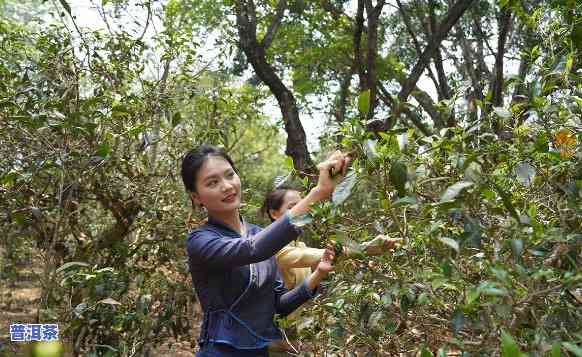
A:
[232,262]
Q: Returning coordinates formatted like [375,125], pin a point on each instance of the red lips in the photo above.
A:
[229,198]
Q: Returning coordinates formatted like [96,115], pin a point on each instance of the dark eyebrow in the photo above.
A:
[216,175]
[209,177]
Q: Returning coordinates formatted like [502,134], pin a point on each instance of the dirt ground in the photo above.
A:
[19,302]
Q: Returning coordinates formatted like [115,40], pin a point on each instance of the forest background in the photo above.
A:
[463,117]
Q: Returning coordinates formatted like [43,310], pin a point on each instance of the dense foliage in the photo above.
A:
[481,179]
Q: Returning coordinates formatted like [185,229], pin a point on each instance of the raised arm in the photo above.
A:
[213,250]
[219,252]
[298,257]
[337,162]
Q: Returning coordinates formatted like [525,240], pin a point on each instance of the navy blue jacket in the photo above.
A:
[238,285]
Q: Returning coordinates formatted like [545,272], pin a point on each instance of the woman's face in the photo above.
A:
[218,187]
[289,200]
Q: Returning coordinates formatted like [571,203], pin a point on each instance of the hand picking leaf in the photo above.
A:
[380,244]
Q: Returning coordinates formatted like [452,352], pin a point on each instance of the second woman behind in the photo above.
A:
[296,260]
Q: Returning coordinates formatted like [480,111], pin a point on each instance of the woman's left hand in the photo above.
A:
[325,266]
[380,245]
[326,263]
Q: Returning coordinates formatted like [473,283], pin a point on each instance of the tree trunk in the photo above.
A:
[497,86]
[255,52]
[373,13]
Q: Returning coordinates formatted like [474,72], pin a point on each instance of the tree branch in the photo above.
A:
[445,91]
[255,53]
[428,106]
[504,24]
[358,29]
[417,47]
[342,100]
[408,25]
[483,37]
[384,95]
[373,13]
[416,120]
[524,66]
[480,56]
[124,211]
[497,85]
[274,25]
[452,17]
[468,64]
[149,5]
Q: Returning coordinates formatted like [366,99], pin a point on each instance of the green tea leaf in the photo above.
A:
[541,143]
[509,347]
[473,295]
[472,235]
[556,350]
[344,189]
[517,247]
[453,191]
[398,177]
[490,290]
[364,102]
[425,352]
[103,150]
[423,299]
[176,119]
[70,265]
[450,242]
[375,319]
[404,201]
[506,198]
[473,172]
[575,349]
[502,112]
[390,143]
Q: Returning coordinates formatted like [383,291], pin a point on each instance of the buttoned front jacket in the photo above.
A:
[237,282]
